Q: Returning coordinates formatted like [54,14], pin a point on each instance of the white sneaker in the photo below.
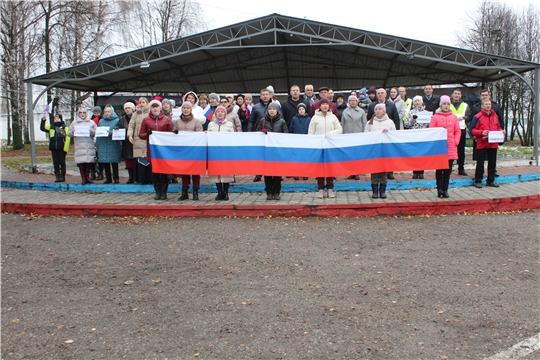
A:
[320,195]
[331,193]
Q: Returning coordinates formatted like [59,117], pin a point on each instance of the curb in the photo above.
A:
[343,210]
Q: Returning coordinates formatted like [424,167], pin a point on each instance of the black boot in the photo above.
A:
[82,172]
[164,188]
[219,195]
[108,176]
[439,179]
[157,188]
[92,169]
[115,174]
[375,189]
[63,172]
[57,173]
[195,194]
[382,191]
[130,178]
[446,181]
[184,195]
[225,192]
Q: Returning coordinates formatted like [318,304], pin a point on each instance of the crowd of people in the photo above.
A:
[366,110]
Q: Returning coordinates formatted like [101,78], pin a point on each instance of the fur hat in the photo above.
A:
[445,99]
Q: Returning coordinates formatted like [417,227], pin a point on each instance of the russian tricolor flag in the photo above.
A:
[208,113]
[236,153]
[182,153]
[365,153]
[294,155]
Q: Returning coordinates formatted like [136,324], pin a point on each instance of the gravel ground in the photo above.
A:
[439,287]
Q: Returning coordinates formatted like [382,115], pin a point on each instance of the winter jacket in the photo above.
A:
[484,121]
[226,126]
[380,124]
[289,108]
[299,124]
[315,107]
[109,150]
[410,121]
[494,107]
[184,125]
[153,122]
[273,124]
[353,120]
[232,116]
[197,111]
[391,112]
[56,140]
[257,114]
[85,150]
[244,116]
[450,122]
[139,145]
[127,147]
[322,123]
[431,104]
[340,109]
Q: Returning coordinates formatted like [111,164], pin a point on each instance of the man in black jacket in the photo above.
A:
[289,106]
[431,102]
[391,111]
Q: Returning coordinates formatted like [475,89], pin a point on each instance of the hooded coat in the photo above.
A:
[139,145]
[322,123]
[85,150]
[109,150]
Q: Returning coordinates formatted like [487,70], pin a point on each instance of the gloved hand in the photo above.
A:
[148,132]
[415,117]
[264,131]
[384,130]
[175,131]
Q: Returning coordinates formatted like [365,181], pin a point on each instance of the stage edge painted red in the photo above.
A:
[364,210]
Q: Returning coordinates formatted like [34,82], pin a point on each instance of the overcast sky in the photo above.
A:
[430,21]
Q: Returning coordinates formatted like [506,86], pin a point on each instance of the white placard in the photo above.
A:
[424,117]
[102,131]
[495,137]
[176,114]
[462,124]
[119,134]
[81,131]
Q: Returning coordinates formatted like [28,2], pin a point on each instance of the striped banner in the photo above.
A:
[182,153]
[278,154]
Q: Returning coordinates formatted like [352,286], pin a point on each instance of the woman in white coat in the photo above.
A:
[85,151]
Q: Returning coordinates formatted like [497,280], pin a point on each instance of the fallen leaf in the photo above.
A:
[128,282]
[15,321]
[69,341]
[59,327]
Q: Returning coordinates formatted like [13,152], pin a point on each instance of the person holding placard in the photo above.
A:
[417,118]
[109,150]
[486,129]
[83,129]
[142,173]
[221,123]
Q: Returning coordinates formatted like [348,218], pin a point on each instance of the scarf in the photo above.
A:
[186,118]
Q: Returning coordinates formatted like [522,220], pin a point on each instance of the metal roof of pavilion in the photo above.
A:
[281,51]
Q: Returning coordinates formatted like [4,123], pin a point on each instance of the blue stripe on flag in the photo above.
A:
[165,152]
[234,153]
[301,155]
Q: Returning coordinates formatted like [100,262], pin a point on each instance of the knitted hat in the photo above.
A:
[97,109]
[129,105]
[222,108]
[270,88]
[239,95]
[188,104]
[158,98]
[364,91]
[170,102]
[445,99]
[178,104]
[372,90]
[381,106]
[153,102]
[213,96]
[323,101]
[273,105]
[301,105]
[418,97]
[248,96]
[352,97]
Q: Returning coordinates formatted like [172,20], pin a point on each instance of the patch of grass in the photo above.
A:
[512,148]
[17,162]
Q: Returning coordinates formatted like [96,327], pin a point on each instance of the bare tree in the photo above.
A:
[155,21]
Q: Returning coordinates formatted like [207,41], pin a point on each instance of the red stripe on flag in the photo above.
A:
[238,167]
[192,167]
[294,169]
[386,164]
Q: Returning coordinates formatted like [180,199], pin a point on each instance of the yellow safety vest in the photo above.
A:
[461,110]
[408,104]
